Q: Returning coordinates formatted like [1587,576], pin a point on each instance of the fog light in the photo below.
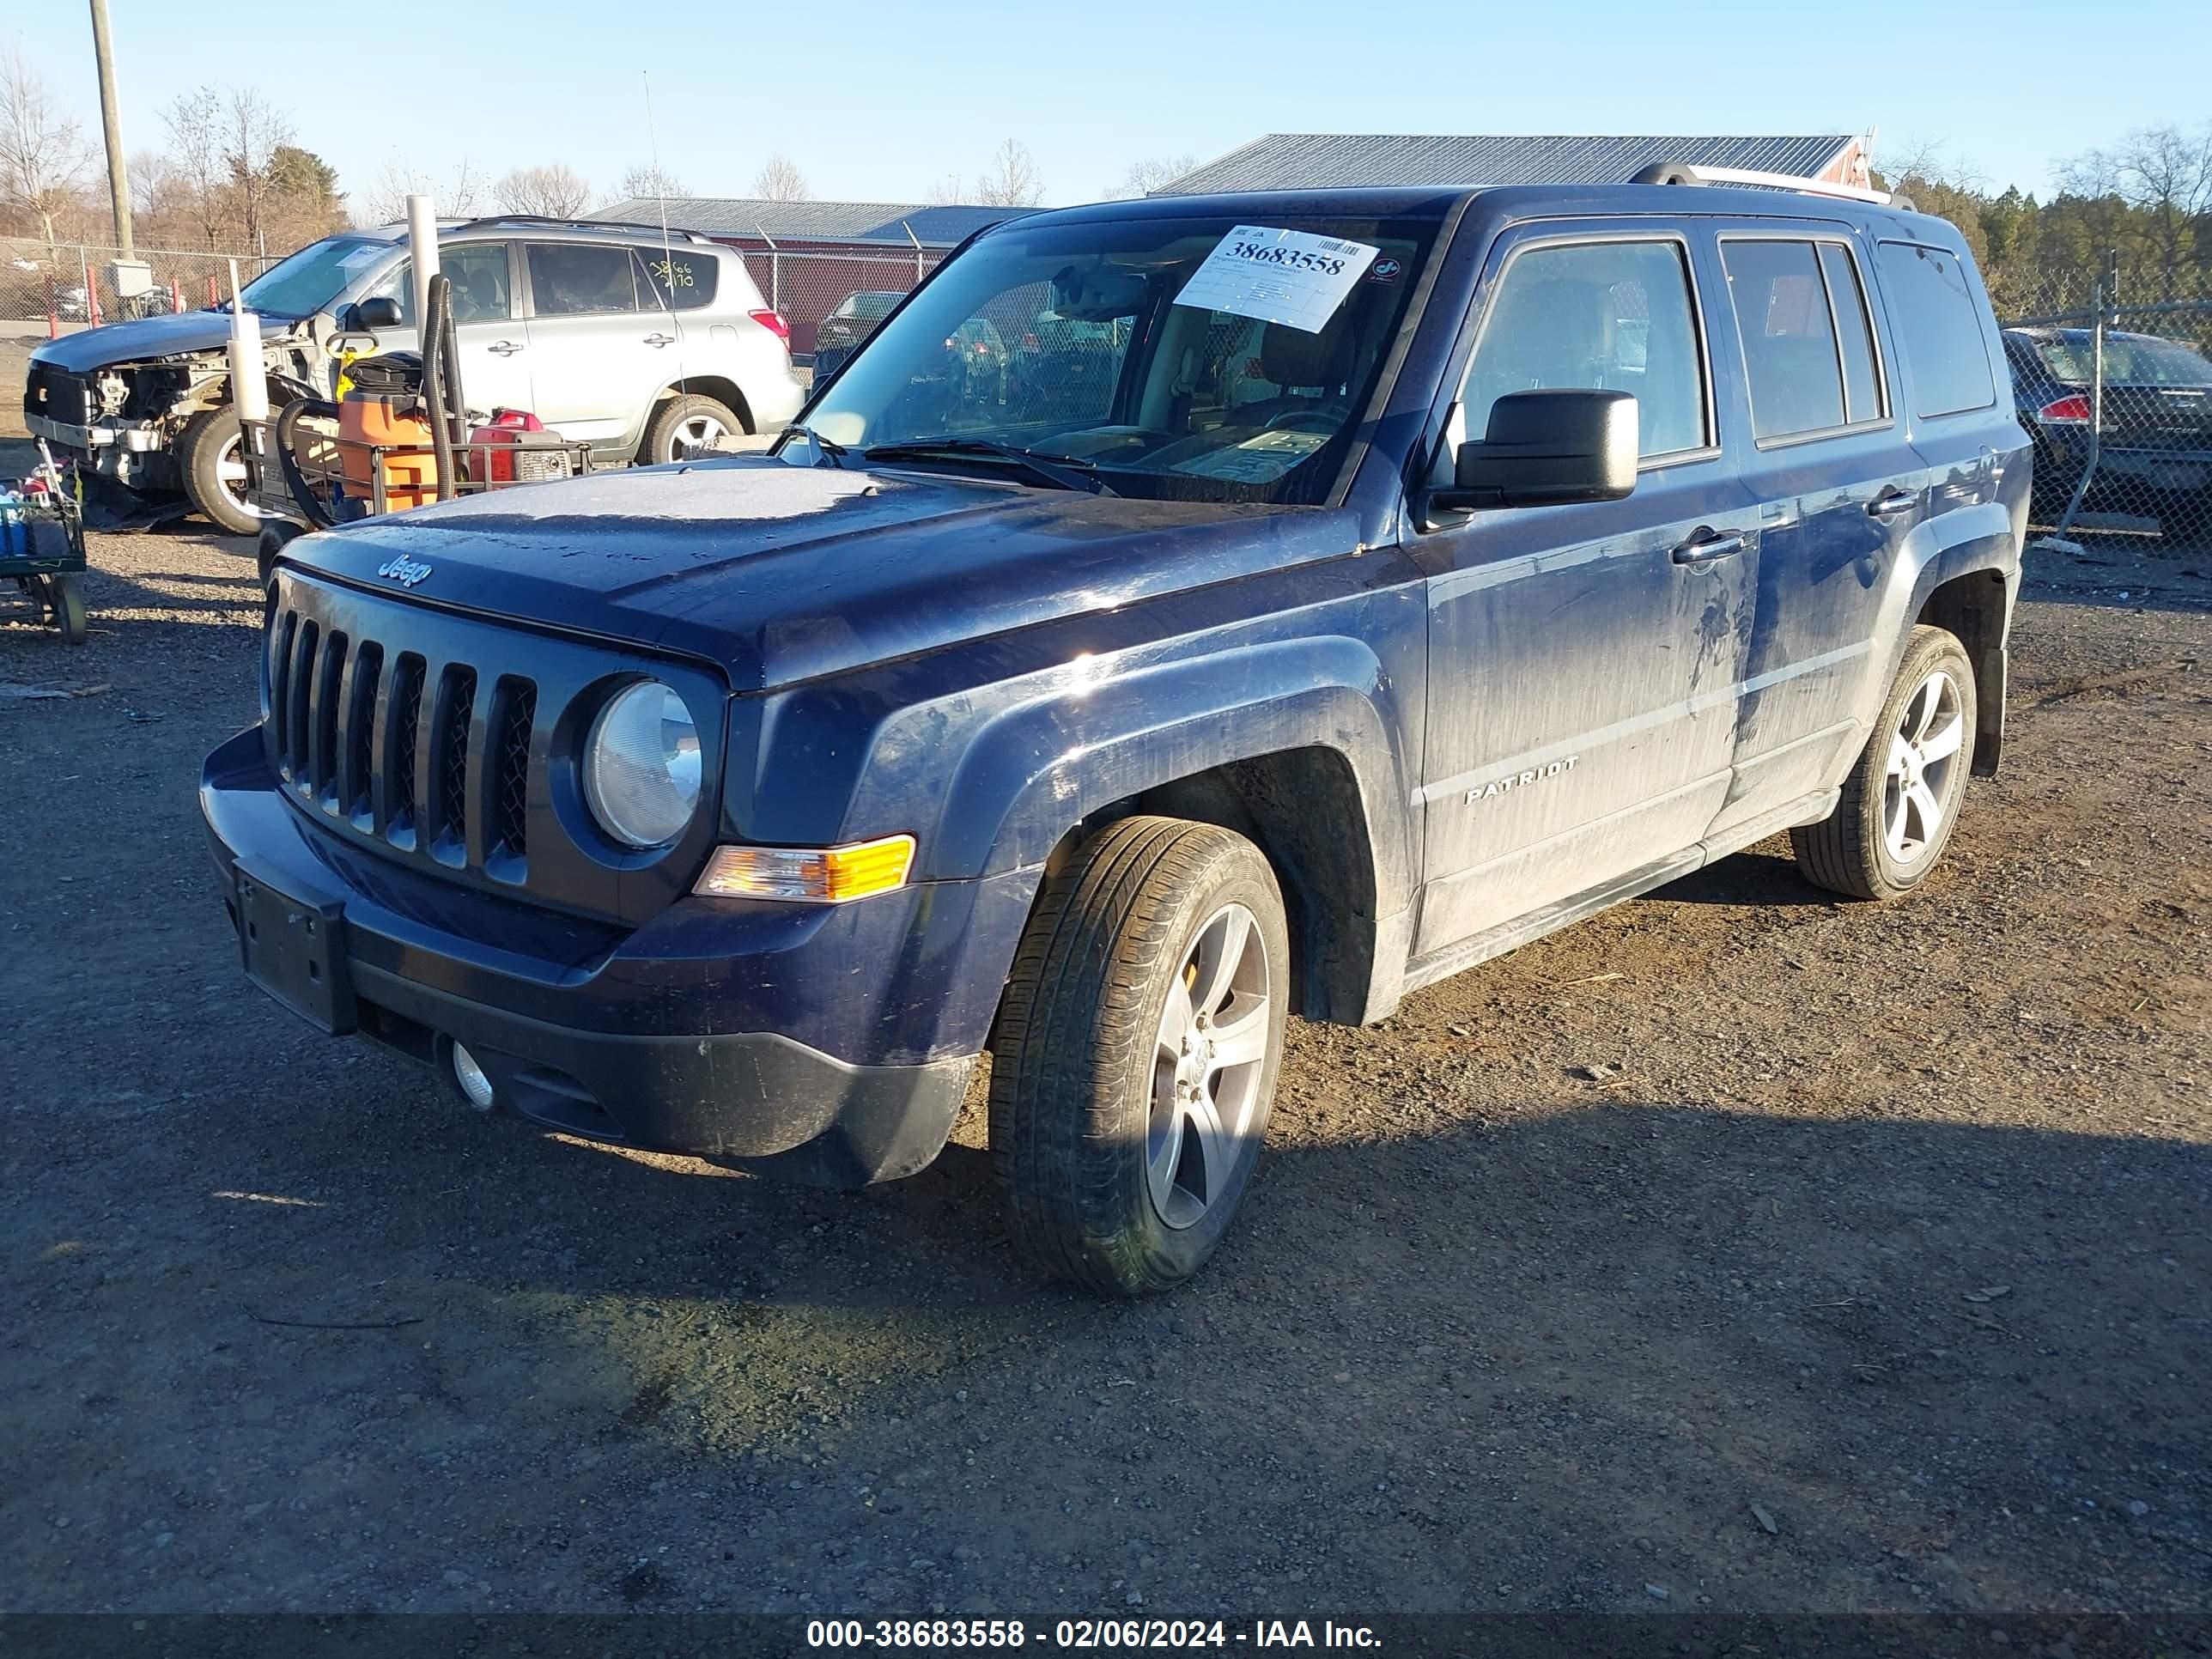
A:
[475,1082]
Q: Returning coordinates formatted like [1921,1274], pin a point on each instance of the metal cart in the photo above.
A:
[320,460]
[42,547]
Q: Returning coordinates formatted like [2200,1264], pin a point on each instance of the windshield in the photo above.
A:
[1184,359]
[2130,359]
[303,284]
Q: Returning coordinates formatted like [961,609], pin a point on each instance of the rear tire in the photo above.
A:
[210,455]
[1901,801]
[688,425]
[67,593]
[1135,1063]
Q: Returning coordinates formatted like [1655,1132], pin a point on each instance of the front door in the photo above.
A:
[488,327]
[1584,660]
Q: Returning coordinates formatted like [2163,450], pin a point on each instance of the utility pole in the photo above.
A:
[110,121]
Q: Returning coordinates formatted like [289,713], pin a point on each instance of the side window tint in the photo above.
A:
[480,291]
[1789,339]
[575,279]
[1940,327]
[679,278]
[1613,316]
[1862,384]
[477,270]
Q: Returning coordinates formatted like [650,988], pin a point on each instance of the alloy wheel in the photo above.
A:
[1924,752]
[1208,1065]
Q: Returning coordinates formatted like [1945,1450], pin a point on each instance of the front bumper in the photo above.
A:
[708,1031]
[126,452]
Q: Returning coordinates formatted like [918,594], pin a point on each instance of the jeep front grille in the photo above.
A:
[445,743]
[429,783]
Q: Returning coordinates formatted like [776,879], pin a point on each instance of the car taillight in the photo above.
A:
[2066,412]
[773,323]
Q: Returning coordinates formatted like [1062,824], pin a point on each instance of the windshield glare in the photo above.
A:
[1066,340]
[309,280]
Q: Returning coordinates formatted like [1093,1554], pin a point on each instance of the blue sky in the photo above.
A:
[879,102]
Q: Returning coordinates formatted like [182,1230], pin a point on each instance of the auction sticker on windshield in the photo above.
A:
[1290,277]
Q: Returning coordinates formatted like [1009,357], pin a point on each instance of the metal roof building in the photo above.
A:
[874,224]
[1310,160]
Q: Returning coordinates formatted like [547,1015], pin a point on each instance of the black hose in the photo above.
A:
[437,335]
[303,495]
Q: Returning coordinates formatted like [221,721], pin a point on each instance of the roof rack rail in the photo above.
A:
[1679,173]
[579,224]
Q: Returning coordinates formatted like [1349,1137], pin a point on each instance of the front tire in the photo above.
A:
[689,425]
[1135,1062]
[211,454]
[1901,801]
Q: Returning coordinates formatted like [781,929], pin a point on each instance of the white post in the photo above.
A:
[422,248]
[249,383]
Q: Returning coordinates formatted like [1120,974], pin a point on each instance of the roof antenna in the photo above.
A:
[667,272]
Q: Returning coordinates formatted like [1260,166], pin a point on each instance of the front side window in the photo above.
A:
[1608,316]
[576,279]
[1931,302]
[2130,359]
[482,290]
[1074,343]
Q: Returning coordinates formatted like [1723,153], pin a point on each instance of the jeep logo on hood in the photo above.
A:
[403,570]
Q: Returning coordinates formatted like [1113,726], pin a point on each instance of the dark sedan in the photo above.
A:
[839,335]
[2155,454]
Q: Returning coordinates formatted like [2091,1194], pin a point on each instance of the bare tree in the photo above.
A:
[781,180]
[554,191]
[948,192]
[648,182]
[1013,179]
[200,176]
[43,153]
[253,132]
[1144,177]
[2163,173]
[385,201]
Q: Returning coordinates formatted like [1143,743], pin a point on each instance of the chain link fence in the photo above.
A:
[74,283]
[2112,367]
[812,287]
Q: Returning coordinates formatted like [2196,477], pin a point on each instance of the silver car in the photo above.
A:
[648,345]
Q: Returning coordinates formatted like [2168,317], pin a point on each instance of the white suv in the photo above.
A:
[649,349]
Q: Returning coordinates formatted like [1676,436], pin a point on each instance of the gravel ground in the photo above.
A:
[1738,1250]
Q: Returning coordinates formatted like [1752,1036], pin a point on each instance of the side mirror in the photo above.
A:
[1546,449]
[379,311]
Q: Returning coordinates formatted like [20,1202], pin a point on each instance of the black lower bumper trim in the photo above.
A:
[754,1099]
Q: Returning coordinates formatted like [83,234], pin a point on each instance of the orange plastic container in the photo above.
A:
[411,477]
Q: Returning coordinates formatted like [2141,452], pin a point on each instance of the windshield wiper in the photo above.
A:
[1061,472]
[831,451]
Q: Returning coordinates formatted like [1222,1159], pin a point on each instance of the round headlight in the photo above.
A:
[642,765]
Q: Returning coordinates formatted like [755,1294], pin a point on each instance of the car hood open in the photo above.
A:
[779,573]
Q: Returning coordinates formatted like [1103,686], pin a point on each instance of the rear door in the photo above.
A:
[597,357]
[1583,659]
[1839,488]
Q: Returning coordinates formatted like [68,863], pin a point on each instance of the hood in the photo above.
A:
[148,338]
[779,573]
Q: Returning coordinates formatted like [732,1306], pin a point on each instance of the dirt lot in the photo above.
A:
[1869,1271]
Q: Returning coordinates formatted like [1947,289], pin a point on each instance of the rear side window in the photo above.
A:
[1781,303]
[1854,334]
[1613,316]
[575,279]
[680,278]
[1939,326]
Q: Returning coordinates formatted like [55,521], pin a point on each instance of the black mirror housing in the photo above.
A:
[1546,449]
[379,311]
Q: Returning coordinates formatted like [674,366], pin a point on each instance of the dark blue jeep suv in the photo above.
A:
[1427,570]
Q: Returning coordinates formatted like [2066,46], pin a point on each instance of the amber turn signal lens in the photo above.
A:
[804,875]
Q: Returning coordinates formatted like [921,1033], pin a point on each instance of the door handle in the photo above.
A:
[1707,546]
[503,347]
[1891,502]
[660,339]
